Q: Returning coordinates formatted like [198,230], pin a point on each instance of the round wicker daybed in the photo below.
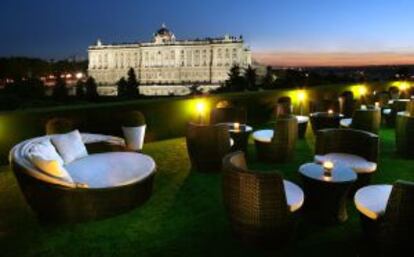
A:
[117,181]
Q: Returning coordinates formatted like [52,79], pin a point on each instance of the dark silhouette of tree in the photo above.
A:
[195,90]
[122,86]
[91,89]
[60,91]
[235,82]
[132,89]
[80,89]
[269,78]
[250,76]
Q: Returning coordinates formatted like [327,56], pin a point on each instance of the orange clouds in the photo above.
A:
[333,59]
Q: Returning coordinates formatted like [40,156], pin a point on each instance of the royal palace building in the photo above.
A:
[168,61]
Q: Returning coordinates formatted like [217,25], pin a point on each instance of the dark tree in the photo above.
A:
[80,89]
[60,91]
[269,78]
[132,89]
[235,82]
[91,89]
[250,76]
[122,86]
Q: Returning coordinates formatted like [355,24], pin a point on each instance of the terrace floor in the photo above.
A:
[184,217]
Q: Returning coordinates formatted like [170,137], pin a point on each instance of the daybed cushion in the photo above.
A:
[70,146]
[346,123]
[51,167]
[372,201]
[357,163]
[264,136]
[46,150]
[111,169]
[294,195]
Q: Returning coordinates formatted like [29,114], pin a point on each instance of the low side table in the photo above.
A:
[323,120]
[302,125]
[240,136]
[325,197]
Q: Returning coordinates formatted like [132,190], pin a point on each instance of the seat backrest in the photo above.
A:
[207,143]
[351,141]
[228,114]
[253,199]
[286,131]
[367,120]
[398,221]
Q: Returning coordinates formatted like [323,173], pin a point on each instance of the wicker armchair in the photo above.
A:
[387,217]
[352,142]
[283,106]
[228,114]
[367,120]
[262,207]
[280,144]
[207,145]
[404,134]
[399,105]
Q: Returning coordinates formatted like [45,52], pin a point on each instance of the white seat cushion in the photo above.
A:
[372,200]
[46,150]
[111,169]
[294,195]
[357,163]
[70,146]
[386,111]
[302,119]
[346,123]
[264,136]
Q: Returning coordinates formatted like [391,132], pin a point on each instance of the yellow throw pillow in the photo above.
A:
[51,167]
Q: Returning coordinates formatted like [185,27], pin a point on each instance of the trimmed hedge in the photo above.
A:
[165,118]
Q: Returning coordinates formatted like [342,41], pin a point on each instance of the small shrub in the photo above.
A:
[59,126]
[133,119]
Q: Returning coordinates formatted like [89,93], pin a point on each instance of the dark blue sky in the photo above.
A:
[60,28]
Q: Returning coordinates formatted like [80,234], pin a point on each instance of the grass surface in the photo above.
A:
[184,217]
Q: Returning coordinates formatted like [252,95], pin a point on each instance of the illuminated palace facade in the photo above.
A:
[168,61]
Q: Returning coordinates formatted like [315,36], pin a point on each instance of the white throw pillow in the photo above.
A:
[46,150]
[70,146]
[51,167]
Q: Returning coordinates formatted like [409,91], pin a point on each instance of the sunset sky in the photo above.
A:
[279,32]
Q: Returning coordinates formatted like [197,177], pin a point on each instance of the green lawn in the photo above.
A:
[184,217]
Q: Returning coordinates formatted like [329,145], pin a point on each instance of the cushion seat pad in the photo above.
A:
[294,195]
[264,136]
[372,201]
[346,122]
[112,169]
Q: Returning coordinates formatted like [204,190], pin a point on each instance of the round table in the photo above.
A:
[240,136]
[322,120]
[302,125]
[325,196]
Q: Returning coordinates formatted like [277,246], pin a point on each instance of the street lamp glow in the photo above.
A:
[362,90]
[200,107]
[301,96]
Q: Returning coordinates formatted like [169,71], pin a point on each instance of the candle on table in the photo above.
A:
[327,168]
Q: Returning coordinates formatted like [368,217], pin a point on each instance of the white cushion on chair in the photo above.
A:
[302,119]
[386,111]
[346,122]
[264,136]
[294,195]
[111,169]
[372,200]
[357,163]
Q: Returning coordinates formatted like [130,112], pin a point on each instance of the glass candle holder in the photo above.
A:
[236,126]
[327,168]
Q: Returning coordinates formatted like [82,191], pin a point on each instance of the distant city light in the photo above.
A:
[79,75]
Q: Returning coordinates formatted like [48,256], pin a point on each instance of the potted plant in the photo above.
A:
[133,127]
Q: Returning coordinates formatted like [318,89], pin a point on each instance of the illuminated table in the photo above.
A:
[325,196]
